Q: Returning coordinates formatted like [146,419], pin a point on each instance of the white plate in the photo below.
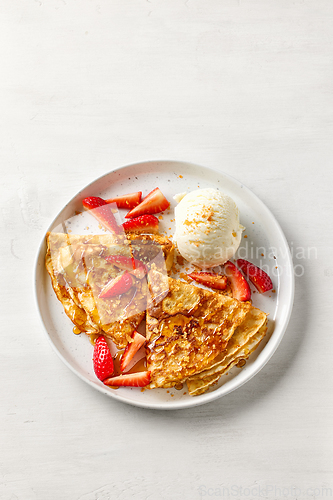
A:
[263,244]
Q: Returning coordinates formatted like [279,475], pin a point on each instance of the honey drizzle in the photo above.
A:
[116,363]
[93,337]
[140,366]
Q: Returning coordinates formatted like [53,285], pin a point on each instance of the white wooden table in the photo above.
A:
[242,86]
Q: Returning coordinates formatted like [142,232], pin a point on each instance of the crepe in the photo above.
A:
[245,340]
[79,270]
[187,328]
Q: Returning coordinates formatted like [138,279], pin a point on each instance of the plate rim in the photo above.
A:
[207,397]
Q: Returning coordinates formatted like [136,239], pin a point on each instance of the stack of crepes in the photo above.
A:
[197,335]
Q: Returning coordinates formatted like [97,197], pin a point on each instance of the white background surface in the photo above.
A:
[244,86]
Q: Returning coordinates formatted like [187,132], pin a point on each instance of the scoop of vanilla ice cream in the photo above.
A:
[208,232]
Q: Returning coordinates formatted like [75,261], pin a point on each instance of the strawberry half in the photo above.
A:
[130,264]
[102,212]
[142,224]
[153,203]
[257,276]
[239,286]
[102,359]
[139,379]
[128,201]
[121,284]
[216,281]
[131,349]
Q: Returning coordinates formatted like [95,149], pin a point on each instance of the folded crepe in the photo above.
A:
[188,328]
[244,341]
[79,270]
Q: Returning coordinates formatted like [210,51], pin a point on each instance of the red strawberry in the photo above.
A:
[142,224]
[239,286]
[257,276]
[131,349]
[153,203]
[133,266]
[121,284]
[102,359]
[216,281]
[128,201]
[102,212]
[139,379]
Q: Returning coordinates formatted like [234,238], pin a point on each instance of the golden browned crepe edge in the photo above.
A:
[251,324]
[199,385]
[71,298]
[72,307]
[162,288]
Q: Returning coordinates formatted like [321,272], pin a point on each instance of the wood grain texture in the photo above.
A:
[241,86]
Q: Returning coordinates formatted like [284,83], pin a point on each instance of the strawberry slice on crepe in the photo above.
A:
[139,379]
[131,349]
[239,286]
[128,201]
[153,203]
[142,224]
[215,281]
[257,276]
[102,212]
[130,264]
[121,284]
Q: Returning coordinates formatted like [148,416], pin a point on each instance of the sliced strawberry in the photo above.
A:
[216,281]
[239,286]
[131,349]
[102,212]
[121,284]
[128,201]
[102,359]
[142,224]
[257,276]
[130,264]
[139,379]
[153,203]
